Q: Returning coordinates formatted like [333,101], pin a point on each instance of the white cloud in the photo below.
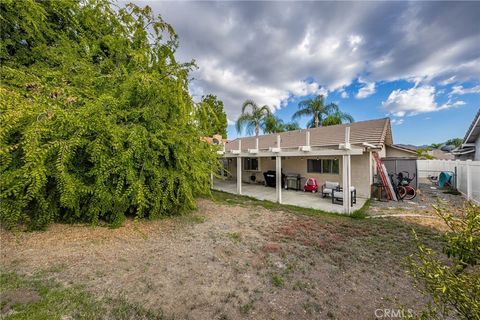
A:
[414,101]
[397,121]
[262,51]
[411,101]
[355,41]
[367,90]
[344,94]
[460,90]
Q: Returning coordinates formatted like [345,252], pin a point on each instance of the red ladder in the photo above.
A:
[382,172]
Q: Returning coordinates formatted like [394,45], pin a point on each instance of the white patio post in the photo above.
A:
[469,179]
[278,168]
[239,169]
[457,172]
[346,174]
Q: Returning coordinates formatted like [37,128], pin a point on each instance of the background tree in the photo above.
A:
[457,142]
[211,116]
[335,116]
[273,124]
[252,120]
[97,121]
[320,113]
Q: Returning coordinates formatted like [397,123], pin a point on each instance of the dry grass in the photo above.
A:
[228,261]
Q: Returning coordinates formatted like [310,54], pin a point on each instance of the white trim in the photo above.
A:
[472,128]
[273,152]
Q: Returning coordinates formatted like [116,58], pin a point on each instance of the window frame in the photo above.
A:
[322,163]
[248,161]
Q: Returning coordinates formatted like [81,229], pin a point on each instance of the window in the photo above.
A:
[314,166]
[250,164]
[323,166]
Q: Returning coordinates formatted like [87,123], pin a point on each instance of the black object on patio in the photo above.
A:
[271,178]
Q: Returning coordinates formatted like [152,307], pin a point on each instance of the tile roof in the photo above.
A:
[376,132]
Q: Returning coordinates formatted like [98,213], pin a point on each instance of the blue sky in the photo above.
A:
[419,129]
[417,62]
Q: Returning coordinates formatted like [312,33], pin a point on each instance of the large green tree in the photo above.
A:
[96,118]
[252,119]
[211,116]
[319,113]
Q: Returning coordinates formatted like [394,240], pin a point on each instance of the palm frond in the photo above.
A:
[302,113]
[243,120]
[249,103]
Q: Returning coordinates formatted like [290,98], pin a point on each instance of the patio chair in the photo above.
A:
[328,187]
[337,196]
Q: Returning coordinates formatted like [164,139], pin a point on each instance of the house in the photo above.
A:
[470,148]
[340,153]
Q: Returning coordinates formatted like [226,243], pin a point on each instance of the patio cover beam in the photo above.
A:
[346,173]
[239,175]
[313,153]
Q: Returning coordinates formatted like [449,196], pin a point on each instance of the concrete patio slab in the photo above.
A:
[292,197]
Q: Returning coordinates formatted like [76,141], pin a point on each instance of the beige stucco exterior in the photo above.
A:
[394,152]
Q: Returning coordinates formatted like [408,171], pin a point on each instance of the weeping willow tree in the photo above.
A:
[96,119]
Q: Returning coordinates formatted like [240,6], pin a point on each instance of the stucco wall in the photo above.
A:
[392,152]
[361,170]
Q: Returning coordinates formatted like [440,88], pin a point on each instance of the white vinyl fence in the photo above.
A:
[467,174]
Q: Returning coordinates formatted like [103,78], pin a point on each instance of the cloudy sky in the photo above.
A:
[416,62]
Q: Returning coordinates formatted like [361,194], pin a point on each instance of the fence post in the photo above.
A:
[469,179]
[458,174]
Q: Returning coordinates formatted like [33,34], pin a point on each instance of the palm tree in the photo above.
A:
[335,116]
[320,112]
[254,119]
[272,124]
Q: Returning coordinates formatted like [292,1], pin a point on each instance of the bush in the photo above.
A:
[453,284]
[97,121]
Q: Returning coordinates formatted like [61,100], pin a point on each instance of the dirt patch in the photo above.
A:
[232,263]
[420,210]
[17,296]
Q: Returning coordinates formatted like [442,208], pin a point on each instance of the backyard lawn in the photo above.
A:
[233,258]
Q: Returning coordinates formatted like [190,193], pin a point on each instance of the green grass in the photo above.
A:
[54,301]
[362,212]
[235,236]
[245,201]
[277,280]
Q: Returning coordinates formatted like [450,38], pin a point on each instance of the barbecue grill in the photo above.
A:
[271,178]
[292,181]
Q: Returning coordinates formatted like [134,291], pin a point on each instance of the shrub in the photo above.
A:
[97,121]
[453,285]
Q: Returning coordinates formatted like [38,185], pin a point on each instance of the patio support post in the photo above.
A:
[239,169]
[346,174]
[278,167]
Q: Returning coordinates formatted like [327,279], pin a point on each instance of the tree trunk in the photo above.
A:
[316,121]
[257,130]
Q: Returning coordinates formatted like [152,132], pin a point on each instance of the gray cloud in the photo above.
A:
[269,51]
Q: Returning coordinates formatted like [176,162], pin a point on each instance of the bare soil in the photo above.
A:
[231,262]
